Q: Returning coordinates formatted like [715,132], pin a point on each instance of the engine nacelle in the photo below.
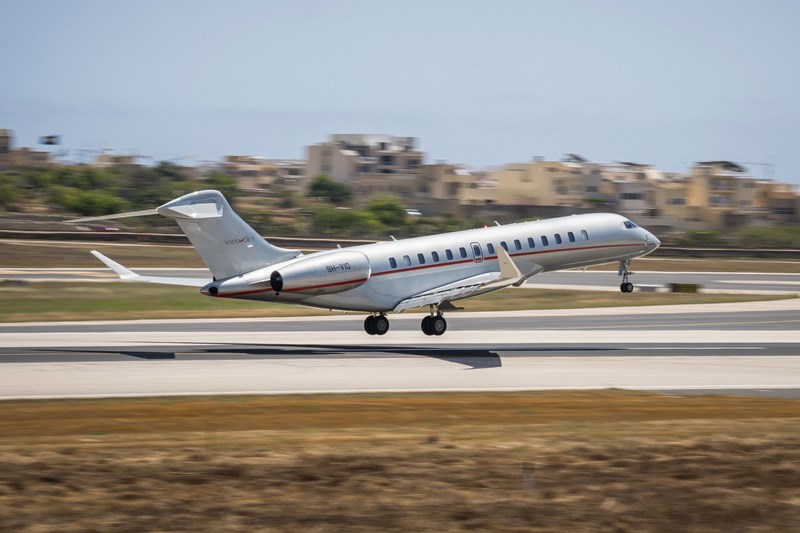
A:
[324,274]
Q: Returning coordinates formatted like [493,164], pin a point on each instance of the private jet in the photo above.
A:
[394,276]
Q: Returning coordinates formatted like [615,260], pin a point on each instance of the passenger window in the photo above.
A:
[449,255]
[406,260]
[421,259]
[463,252]
[585,235]
[531,243]
[435,256]
[490,248]
[544,241]
[393,262]
[504,245]
[558,238]
[571,236]
[517,244]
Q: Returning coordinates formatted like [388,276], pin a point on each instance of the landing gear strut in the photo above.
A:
[434,324]
[376,324]
[625,271]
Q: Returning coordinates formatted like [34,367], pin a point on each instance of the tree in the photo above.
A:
[330,190]
[388,211]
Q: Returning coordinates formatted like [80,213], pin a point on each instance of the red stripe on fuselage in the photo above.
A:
[309,288]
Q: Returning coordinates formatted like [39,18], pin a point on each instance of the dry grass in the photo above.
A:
[460,462]
[39,301]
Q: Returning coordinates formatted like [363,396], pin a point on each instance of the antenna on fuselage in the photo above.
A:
[496,223]
[392,237]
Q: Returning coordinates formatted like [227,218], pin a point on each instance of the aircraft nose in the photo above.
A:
[653,241]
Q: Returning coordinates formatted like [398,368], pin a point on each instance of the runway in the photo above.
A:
[740,348]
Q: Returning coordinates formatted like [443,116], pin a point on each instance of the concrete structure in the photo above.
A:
[546,183]
[779,202]
[347,156]
[725,191]
[6,142]
[25,157]
[111,159]
[258,173]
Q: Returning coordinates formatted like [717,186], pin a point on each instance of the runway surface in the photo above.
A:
[751,348]
[595,280]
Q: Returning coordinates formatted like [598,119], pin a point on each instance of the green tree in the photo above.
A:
[330,190]
[10,194]
[388,211]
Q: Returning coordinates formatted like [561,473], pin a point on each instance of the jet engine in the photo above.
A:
[323,274]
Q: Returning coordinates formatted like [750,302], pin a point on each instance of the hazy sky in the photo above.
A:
[483,83]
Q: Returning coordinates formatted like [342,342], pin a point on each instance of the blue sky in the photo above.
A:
[483,83]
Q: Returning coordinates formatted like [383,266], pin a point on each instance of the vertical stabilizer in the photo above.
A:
[225,242]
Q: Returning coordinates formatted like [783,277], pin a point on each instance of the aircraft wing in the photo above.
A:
[129,275]
[508,274]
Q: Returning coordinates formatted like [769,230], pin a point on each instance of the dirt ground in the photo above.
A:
[591,461]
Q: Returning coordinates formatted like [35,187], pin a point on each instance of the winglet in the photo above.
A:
[118,269]
[508,270]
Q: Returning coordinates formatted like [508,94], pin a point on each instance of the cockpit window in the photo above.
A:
[630,225]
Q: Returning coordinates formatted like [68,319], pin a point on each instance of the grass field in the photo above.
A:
[100,301]
[591,461]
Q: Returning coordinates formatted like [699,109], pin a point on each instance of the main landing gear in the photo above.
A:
[434,324]
[376,324]
[625,271]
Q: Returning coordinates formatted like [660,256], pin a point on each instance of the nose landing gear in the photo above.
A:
[625,271]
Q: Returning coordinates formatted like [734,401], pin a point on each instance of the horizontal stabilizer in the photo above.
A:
[128,214]
[126,274]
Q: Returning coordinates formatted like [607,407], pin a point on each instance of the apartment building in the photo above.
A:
[261,174]
[779,202]
[547,183]
[345,157]
[6,142]
[724,190]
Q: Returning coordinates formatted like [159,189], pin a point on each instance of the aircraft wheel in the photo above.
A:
[426,325]
[369,325]
[380,325]
[438,325]
[629,287]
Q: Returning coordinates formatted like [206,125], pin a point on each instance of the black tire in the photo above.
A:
[629,287]
[380,325]
[426,325]
[622,287]
[438,325]
[369,325]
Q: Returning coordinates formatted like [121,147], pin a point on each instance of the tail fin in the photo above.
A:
[227,245]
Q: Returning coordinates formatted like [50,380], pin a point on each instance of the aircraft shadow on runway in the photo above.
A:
[471,358]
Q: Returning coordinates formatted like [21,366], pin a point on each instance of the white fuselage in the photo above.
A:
[397,270]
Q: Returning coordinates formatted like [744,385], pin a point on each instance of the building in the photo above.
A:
[348,156]
[25,157]
[726,193]
[6,142]
[779,202]
[112,159]
[571,182]
[255,173]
